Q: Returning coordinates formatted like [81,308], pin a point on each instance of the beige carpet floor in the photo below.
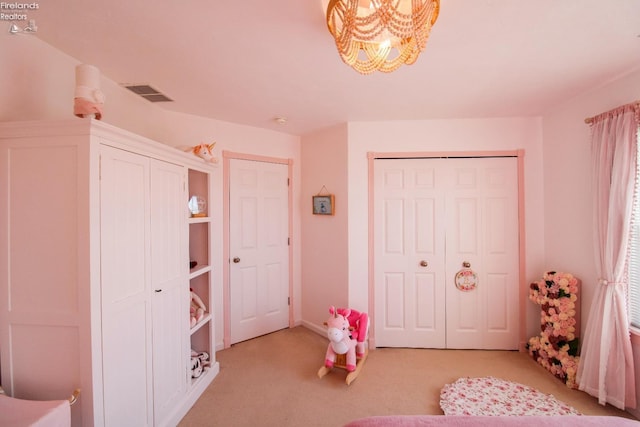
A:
[272,381]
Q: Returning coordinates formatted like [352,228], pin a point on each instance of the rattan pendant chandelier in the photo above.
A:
[381,34]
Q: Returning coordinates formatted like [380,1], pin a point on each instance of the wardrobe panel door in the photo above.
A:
[41,200]
[126,311]
[169,278]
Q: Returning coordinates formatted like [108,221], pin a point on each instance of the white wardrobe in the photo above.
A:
[95,246]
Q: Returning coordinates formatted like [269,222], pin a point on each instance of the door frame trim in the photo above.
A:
[523,287]
[227,156]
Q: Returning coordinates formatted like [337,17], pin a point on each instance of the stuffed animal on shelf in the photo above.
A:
[205,152]
[340,340]
[199,361]
[196,367]
[197,308]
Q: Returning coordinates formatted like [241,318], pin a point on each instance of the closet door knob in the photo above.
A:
[466,264]
[424,263]
[236,260]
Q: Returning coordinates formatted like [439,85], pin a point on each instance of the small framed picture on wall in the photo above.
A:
[324,205]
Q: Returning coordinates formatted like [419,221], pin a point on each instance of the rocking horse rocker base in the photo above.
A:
[341,362]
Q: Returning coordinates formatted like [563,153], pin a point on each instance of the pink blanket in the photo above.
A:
[489,421]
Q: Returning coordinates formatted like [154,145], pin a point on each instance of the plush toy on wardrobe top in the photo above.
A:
[197,308]
[205,152]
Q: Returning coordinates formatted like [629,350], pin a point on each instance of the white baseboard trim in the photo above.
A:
[320,330]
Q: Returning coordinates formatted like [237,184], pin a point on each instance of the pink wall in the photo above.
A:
[567,184]
[410,136]
[325,255]
[37,82]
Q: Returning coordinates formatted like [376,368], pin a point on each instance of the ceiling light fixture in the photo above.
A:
[381,35]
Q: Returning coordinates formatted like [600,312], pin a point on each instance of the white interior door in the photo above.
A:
[432,216]
[258,248]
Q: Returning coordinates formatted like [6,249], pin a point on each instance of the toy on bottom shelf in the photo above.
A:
[197,308]
[347,331]
[199,361]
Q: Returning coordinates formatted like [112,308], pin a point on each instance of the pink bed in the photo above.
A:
[31,413]
[491,421]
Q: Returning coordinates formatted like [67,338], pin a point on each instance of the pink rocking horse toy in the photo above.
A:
[347,331]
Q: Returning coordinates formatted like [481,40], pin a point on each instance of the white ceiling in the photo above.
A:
[250,61]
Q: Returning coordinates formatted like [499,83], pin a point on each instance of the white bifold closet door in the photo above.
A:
[433,217]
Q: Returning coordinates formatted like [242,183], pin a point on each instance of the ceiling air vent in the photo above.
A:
[148,93]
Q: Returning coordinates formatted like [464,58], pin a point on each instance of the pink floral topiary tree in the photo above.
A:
[557,346]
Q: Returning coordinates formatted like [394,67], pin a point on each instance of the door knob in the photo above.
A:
[466,264]
[236,260]
[424,263]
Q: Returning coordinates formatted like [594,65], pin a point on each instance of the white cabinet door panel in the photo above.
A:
[126,312]
[169,276]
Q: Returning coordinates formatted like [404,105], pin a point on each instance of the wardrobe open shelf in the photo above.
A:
[195,381]
[198,220]
[199,270]
[201,323]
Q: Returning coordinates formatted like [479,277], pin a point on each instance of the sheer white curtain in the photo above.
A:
[606,368]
